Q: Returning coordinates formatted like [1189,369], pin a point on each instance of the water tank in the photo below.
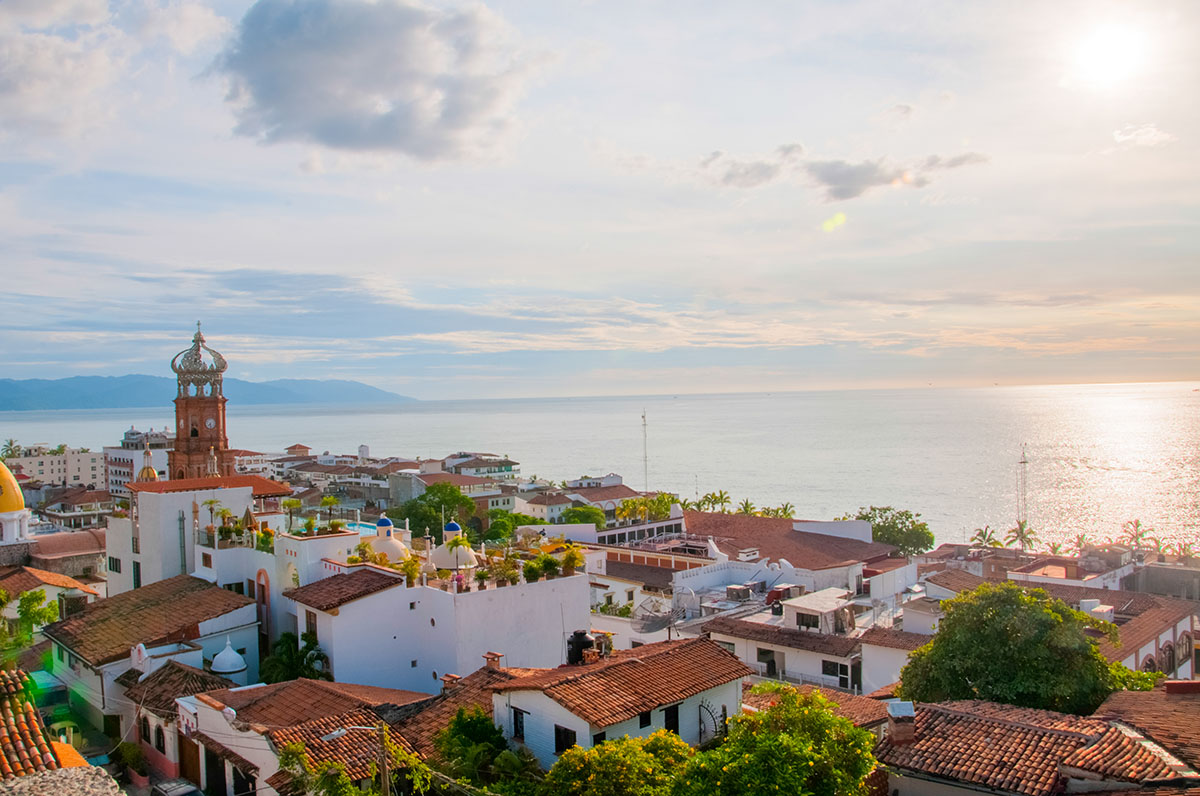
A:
[579,641]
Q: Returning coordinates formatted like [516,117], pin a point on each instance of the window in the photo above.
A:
[727,646]
[206,560]
[635,644]
[671,719]
[644,720]
[160,743]
[839,670]
[412,606]
[310,622]
[413,664]
[629,595]
[608,600]
[62,654]
[518,724]
[144,729]
[808,620]
[137,574]
[250,588]
[599,738]
[564,739]
[114,564]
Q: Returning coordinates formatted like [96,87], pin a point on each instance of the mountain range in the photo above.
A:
[120,392]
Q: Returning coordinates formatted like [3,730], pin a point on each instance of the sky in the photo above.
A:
[468,200]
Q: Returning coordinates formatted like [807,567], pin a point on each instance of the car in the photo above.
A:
[175,787]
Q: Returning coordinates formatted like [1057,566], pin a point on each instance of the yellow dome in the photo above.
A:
[147,473]
[11,498]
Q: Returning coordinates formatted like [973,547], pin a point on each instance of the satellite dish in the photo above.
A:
[229,713]
[653,614]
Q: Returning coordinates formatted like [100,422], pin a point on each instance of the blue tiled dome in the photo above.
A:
[453,526]
[384,522]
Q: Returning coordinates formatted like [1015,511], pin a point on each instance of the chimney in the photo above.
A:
[591,656]
[449,682]
[901,727]
[491,660]
[1182,686]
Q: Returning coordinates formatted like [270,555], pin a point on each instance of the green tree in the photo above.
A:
[213,505]
[1003,643]
[407,774]
[329,502]
[10,449]
[619,767]
[898,527]
[721,500]
[288,660]
[33,611]
[798,745]
[786,510]
[746,507]
[425,511]
[1135,533]
[585,514]
[1021,535]
[503,524]
[470,744]
[986,537]
[1080,543]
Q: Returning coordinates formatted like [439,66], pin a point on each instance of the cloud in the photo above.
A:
[734,173]
[185,25]
[387,76]
[843,180]
[42,14]
[1145,135]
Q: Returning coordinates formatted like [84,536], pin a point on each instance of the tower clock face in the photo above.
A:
[210,423]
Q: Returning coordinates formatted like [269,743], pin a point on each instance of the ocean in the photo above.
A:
[1098,455]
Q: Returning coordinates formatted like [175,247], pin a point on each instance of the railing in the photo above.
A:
[799,678]
[213,540]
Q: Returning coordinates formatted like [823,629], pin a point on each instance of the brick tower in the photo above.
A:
[200,442]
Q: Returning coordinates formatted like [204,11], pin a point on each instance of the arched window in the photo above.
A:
[145,729]
[1149,665]
[180,476]
[1166,658]
[1183,648]
[195,432]
[160,743]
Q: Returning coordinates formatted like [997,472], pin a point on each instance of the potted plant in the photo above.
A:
[444,577]
[310,526]
[572,558]
[133,758]
[460,583]
[532,571]
[549,565]
[411,568]
[481,577]
[225,533]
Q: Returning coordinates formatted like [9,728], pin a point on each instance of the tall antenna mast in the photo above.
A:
[645,455]
[1023,487]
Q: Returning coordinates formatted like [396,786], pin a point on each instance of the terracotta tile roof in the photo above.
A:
[776,538]
[261,487]
[69,543]
[328,593]
[168,610]
[956,580]
[861,710]
[224,752]
[894,639]
[474,690]
[612,691]
[599,494]
[1171,719]
[18,580]
[24,747]
[840,646]
[1019,750]
[36,658]
[549,500]
[294,702]
[357,750]
[885,692]
[158,692]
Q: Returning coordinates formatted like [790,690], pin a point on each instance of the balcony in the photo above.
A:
[215,540]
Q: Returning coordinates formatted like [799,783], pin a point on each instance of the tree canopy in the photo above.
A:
[898,527]
[427,509]
[619,767]
[797,745]
[503,524]
[1004,643]
[585,514]
[289,660]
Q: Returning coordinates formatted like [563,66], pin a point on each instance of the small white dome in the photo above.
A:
[228,661]
[458,558]
[389,543]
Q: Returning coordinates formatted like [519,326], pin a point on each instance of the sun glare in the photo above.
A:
[1109,55]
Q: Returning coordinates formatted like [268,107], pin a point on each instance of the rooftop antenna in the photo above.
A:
[1023,487]
[645,455]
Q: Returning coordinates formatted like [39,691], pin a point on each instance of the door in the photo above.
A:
[214,773]
[768,657]
[112,727]
[189,759]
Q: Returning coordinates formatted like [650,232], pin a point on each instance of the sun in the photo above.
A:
[1109,55]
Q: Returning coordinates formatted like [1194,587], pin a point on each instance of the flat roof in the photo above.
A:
[820,602]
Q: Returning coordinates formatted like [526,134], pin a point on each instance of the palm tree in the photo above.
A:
[722,499]
[289,661]
[1022,535]
[328,502]
[629,509]
[687,505]
[1080,543]
[1055,549]
[745,507]
[1184,549]
[786,510]
[291,506]
[212,504]
[10,449]
[986,537]
[1135,533]
[707,502]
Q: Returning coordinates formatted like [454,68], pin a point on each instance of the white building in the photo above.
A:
[688,687]
[181,618]
[72,467]
[14,517]
[122,462]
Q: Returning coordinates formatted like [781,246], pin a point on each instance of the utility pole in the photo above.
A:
[645,471]
[385,780]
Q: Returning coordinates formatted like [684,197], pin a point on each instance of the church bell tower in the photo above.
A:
[200,414]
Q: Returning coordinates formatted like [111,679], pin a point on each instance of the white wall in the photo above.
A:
[881,666]
[798,664]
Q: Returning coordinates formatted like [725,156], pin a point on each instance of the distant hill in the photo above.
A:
[120,392]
